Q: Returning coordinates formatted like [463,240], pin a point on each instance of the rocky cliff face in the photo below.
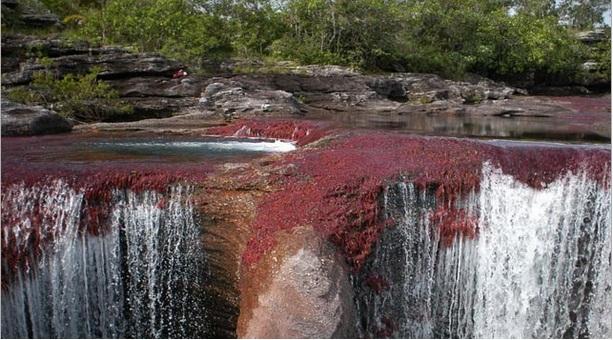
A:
[144,80]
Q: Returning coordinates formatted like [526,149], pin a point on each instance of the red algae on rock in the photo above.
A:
[336,189]
[377,283]
[452,222]
[302,132]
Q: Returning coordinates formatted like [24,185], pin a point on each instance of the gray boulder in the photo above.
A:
[40,20]
[25,120]
[232,99]
[157,87]
[9,3]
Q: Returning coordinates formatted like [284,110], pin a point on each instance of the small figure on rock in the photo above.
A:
[179,74]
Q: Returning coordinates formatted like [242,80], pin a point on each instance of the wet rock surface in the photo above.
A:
[227,208]
[25,120]
[301,290]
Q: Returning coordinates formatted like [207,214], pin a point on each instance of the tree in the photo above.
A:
[358,32]
[583,14]
[496,38]
[173,27]
[537,8]
[255,25]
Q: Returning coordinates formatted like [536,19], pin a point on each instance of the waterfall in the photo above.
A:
[539,267]
[139,278]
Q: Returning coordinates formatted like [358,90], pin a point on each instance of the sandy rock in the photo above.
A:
[305,292]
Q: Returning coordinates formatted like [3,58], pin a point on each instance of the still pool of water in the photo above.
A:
[150,149]
[194,149]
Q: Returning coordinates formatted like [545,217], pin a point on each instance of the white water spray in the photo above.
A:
[539,267]
[138,279]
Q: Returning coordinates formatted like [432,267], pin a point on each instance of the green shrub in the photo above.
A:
[82,98]
[73,20]
[352,32]
[24,95]
[173,27]
[254,25]
[456,36]
[447,37]
[62,7]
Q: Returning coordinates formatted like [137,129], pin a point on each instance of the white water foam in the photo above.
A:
[138,279]
[275,146]
[540,266]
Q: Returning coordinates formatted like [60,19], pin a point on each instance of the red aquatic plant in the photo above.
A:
[22,247]
[98,194]
[161,203]
[452,222]
[302,132]
[40,161]
[336,189]
[377,283]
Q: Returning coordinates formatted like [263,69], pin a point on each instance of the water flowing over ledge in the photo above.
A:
[538,266]
[442,251]
[201,147]
[139,277]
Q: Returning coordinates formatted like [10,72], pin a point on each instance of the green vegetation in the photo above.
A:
[83,98]
[604,57]
[172,27]
[501,39]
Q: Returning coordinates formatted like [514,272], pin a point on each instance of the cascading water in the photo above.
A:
[141,276]
[540,265]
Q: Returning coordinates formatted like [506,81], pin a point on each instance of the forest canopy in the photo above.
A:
[500,39]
